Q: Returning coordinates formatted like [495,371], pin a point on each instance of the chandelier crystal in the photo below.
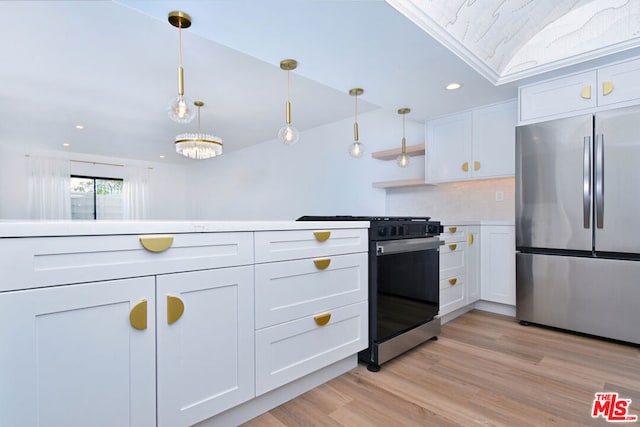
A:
[198,146]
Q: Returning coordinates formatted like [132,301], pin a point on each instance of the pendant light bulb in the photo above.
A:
[180,109]
[403,159]
[288,134]
[356,149]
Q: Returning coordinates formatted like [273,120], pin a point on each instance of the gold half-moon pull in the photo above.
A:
[322,263]
[607,88]
[453,246]
[465,166]
[138,315]
[476,166]
[453,229]
[175,308]
[453,281]
[322,236]
[470,239]
[586,92]
[322,319]
[156,243]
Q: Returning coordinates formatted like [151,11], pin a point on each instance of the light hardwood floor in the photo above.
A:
[485,369]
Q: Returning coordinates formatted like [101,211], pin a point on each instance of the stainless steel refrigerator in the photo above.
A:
[578,224]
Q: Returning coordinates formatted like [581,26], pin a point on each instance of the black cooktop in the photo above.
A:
[361,218]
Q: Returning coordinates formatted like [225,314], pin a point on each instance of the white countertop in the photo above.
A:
[91,228]
[447,223]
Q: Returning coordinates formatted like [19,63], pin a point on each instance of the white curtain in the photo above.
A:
[136,183]
[49,188]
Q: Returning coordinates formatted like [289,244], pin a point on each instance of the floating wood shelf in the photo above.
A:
[417,182]
[412,150]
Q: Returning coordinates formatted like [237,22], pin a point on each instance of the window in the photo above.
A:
[96,198]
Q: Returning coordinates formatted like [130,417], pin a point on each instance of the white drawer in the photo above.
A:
[456,279]
[44,261]
[289,290]
[454,233]
[452,255]
[291,350]
[297,244]
[452,297]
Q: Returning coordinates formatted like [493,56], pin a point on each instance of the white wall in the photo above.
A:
[316,176]
[167,182]
[469,200]
[270,181]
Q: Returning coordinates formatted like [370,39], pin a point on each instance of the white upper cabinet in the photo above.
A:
[575,93]
[619,84]
[476,144]
[448,147]
[616,85]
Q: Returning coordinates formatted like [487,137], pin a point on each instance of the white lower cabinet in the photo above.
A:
[70,356]
[179,346]
[310,312]
[459,267]
[498,264]
[290,350]
[206,353]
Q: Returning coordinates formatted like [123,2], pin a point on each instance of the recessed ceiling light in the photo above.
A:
[162,156]
[79,127]
[66,144]
[453,86]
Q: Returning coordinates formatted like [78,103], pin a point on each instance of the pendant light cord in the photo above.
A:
[355,124]
[404,140]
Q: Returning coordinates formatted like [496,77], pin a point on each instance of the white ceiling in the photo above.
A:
[111,66]
[511,40]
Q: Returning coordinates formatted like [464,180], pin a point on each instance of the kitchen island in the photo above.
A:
[174,323]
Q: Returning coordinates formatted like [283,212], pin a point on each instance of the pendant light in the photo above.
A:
[356,149]
[198,146]
[403,159]
[180,109]
[288,134]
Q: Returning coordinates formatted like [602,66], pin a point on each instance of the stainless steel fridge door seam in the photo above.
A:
[599,196]
[586,183]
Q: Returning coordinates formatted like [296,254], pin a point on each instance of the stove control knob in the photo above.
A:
[382,231]
[392,230]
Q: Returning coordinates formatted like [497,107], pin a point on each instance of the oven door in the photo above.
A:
[407,284]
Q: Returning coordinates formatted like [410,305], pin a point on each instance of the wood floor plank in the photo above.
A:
[486,369]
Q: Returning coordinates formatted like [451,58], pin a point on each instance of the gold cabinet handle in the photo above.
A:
[586,92]
[470,239]
[465,166]
[175,308]
[322,263]
[607,88]
[453,281]
[322,319]
[453,229]
[453,246]
[322,236]
[476,166]
[156,243]
[138,315]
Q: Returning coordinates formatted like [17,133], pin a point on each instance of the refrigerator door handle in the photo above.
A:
[586,183]
[599,181]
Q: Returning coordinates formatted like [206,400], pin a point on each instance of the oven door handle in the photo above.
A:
[407,245]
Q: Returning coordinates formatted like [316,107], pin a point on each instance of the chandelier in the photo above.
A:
[198,146]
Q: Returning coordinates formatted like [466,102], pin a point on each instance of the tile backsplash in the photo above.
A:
[491,199]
